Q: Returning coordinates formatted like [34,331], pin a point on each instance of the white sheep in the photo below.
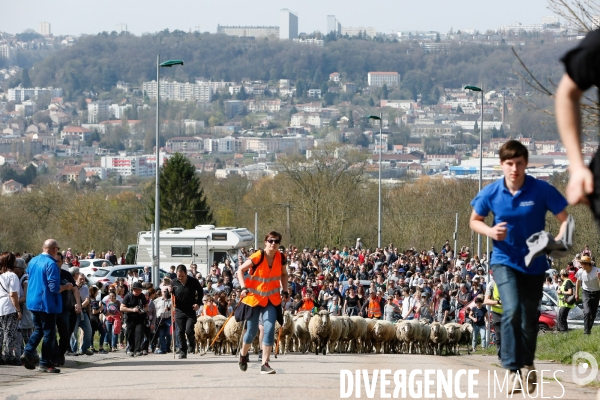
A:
[320,331]
[409,333]
[204,331]
[368,339]
[347,326]
[425,341]
[233,331]
[301,333]
[358,333]
[454,335]
[219,320]
[384,333]
[337,329]
[439,337]
[286,332]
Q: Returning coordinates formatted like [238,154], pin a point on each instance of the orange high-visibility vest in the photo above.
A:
[307,305]
[374,308]
[263,285]
[210,311]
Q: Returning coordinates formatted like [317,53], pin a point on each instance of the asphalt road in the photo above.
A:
[116,376]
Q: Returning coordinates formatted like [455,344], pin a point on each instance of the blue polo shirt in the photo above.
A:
[524,213]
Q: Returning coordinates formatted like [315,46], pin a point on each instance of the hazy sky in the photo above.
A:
[76,16]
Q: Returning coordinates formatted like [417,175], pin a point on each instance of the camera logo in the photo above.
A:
[585,368]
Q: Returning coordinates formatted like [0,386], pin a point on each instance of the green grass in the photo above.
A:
[561,347]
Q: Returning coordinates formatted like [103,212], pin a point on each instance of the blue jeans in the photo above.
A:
[85,325]
[479,331]
[44,328]
[269,316]
[521,295]
[111,338]
[164,335]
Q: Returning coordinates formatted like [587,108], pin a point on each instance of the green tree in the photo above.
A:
[242,95]
[384,92]
[182,200]
[25,80]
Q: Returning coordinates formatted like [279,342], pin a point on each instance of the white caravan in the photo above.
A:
[202,246]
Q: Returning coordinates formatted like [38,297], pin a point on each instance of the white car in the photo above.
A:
[108,275]
[88,267]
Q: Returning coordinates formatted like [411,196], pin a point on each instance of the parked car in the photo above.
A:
[546,320]
[108,275]
[575,316]
[88,267]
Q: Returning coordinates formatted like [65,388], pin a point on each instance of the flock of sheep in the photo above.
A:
[322,333]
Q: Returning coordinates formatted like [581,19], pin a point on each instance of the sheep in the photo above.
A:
[219,320]
[439,338]
[204,332]
[337,329]
[358,333]
[301,333]
[347,326]
[454,335]
[368,340]
[233,331]
[383,333]
[286,332]
[319,328]
[425,342]
[466,336]
[409,333]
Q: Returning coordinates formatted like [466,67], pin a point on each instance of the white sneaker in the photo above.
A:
[529,375]
[515,383]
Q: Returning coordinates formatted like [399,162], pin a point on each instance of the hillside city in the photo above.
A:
[251,122]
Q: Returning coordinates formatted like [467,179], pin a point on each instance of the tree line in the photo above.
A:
[96,63]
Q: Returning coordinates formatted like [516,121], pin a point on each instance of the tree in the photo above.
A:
[384,92]
[182,200]
[25,80]
[351,119]
[242,95]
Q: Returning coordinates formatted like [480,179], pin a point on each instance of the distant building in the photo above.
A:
[21,94]
[45,29]
[356,30]
[73,173]
[10,187]
[179,91]
[121,28]
[334,76]
[75,131]
[288,24]
[98,111]
[144,165]
[185,144]
[234,107]
[333,25]
[379,79]
[314,42]
[248,31]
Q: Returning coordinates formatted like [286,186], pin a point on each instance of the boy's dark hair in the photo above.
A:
[513,149]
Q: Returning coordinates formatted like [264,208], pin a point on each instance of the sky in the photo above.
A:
[74,17]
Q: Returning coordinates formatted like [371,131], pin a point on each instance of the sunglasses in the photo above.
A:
[275,241]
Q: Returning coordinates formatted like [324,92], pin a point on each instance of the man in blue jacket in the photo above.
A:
[45,302]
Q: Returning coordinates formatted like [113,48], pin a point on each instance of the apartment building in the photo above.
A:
[21,94]
[98,111]
[356,30]
[123,165]
[185,144]
[379,79]
[288,24]
[248,31]
[170,90]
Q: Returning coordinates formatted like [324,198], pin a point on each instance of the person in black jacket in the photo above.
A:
[188,298]
[135,306]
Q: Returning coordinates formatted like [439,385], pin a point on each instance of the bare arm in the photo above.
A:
[577,286]
[562,218]
[14,298]
[496,232]
[568,119]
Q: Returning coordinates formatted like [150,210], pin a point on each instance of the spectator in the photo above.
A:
[10,310]
[163,312]
[588,280]
[97,309]
[44,302]
[566,290]
[150,323]
[83,321]
[26,322]
[478,315]
[135,306]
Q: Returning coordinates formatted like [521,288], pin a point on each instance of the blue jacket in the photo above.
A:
[43,292]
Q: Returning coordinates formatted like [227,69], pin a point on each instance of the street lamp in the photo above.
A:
[156,267]
[379,118]
[477,89]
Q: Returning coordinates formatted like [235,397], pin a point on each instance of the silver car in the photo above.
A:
[108,275]
[575,317]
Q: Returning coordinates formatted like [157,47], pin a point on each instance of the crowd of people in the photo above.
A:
[134,316]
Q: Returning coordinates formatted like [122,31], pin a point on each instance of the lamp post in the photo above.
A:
[156,262]
[477,89]
[380,119]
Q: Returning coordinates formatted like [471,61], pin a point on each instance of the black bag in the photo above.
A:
[570,300]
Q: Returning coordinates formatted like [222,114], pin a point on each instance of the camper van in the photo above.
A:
[201,246]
